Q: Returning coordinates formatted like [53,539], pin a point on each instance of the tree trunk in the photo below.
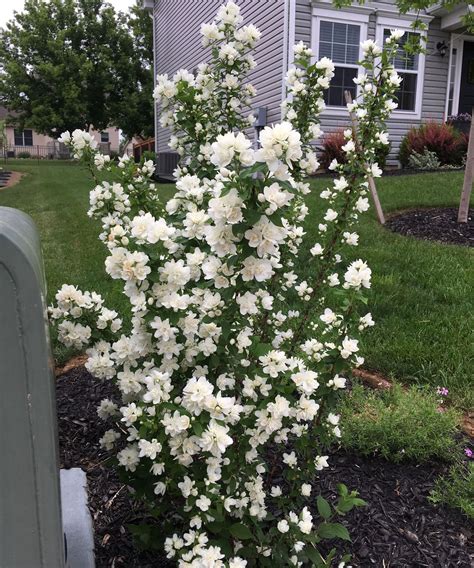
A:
[468,177]
[373,189]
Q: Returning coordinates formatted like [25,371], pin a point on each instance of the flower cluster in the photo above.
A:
[241,332]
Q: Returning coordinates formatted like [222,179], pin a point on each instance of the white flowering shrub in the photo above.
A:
[242,332]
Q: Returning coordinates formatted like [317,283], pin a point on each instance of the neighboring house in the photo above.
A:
[435,84]
[27,141]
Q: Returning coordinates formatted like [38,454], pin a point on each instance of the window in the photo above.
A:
[452,78]
[104,137]
[409,67]
[338,35]
[23,137]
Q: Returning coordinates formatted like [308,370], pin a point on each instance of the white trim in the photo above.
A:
[452,19]
[450,67]
[458,43]
[289,35]
[344,17]
[389,10]
[396,23]
[326,5]
[285,65]
[152,15]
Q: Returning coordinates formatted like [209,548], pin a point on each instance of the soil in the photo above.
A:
[8,179]
[438,224]
[398,529]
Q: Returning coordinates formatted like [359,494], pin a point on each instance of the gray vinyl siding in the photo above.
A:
[435,77]
[178,45]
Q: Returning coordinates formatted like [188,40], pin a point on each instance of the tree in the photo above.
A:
[135,110]
[67,64]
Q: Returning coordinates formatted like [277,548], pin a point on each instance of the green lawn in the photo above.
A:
[422,297]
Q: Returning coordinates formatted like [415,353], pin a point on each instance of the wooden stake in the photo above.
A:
[468,177]
[373,189]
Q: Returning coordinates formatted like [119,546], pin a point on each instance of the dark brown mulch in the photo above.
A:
[398,529]
[438,224]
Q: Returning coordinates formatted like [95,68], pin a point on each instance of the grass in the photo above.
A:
[456,489]
[421,300]
[399,424]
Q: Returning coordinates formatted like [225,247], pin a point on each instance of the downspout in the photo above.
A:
[288,42]
[152,15]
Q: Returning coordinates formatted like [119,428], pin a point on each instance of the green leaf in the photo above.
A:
[240,531]
[342,489]
[315,557]
[197,428]
[324,509]
[261,349]
[333,530]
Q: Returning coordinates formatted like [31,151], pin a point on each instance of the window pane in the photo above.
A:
[28,137]
[342,81]
[325,32]
[339,53]
[404,61]
[104,136]
[18,137]
[325,50]
[339,42]
[406,95]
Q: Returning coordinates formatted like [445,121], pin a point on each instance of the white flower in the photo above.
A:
[283,526]
[203,503]
[290,459]
[321,462]
[369,46]
[375,171]
[362,204]
[349,347]
[128,458]
[215,439]
[331,215]
[306,489]
[358,275]
[316,250]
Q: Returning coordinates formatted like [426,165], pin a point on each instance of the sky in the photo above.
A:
[7,7]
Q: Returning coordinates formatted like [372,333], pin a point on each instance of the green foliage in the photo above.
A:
[148,155]
[68,64]
[456,489]
[23,155]
[442,139]
[422,298]
[331,150]
[426,161]
[399,424]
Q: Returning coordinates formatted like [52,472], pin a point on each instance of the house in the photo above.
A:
[436,84]
[29,143]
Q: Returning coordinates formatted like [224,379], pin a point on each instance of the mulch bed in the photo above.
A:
[398,529]
[438,224]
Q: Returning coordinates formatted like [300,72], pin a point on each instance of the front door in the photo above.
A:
[466,91]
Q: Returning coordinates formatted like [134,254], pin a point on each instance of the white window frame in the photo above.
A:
[457,41]
[342,17]
[396,23]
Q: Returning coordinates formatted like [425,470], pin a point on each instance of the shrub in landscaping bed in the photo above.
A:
[228,397]
[332,150]
[399,424]
[457,488]
[427,160]
[449,145]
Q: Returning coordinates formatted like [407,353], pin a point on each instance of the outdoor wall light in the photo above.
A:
[442,48]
